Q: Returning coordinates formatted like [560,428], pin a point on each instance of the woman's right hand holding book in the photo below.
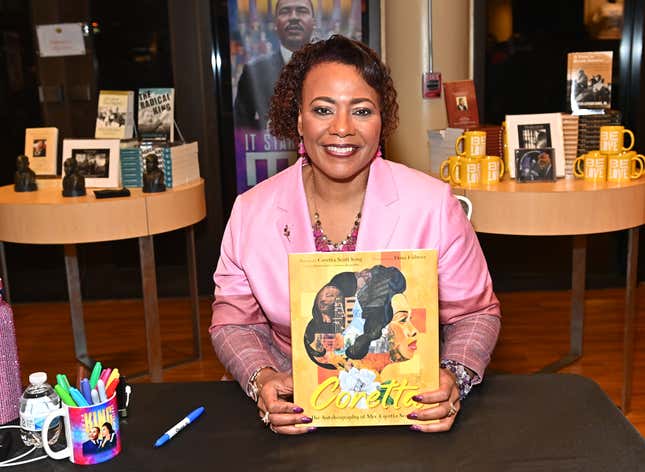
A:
[282,416]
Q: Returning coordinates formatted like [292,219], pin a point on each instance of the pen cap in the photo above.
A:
[121,398]
[10,384]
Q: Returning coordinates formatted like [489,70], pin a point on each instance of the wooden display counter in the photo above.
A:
[46,217]
[575,208]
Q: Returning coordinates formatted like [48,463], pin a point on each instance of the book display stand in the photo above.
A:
[575,208]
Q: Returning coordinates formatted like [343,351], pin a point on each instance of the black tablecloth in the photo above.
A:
[554,422]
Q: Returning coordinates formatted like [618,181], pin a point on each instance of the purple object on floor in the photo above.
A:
[10,385]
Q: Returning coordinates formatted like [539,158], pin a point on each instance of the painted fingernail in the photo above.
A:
[312,429]
[417,398]
[305,419]
[413,416]
[298,410]
[414,427]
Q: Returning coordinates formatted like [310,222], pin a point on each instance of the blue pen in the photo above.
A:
[86,390]
[192,416]
[78,397]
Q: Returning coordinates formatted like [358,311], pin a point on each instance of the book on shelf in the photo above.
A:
[180,163]
[115,114]
[589,81]
[461,104]
[365,334]
[156,114]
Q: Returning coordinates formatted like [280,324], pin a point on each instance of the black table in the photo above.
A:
[543,422]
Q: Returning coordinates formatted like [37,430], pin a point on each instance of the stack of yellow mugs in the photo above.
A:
[613,162]
[471,167]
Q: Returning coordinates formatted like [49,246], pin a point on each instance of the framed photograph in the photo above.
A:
[97,159]
[41,147]
[538,131]
[535,165]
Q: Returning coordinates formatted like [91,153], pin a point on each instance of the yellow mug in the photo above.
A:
[595,167]
[449,164]
[612,139]
[473,144]
[625,166]
[492,169]
[467,172]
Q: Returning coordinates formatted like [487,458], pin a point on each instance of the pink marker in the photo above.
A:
[105,374]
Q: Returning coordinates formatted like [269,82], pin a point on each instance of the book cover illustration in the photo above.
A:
[589,81]
[365,339]
[41,147]
[461,104]
[156,114]
[115,115]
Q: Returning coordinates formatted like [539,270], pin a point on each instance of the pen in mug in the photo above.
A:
[105,374]
[192,416]
[96,372]
[100,386]
[86,390]
[78,397]
[64,395]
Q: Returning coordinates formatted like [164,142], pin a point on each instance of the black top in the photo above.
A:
[547,422]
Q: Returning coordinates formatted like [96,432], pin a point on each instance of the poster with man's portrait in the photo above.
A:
[263,36]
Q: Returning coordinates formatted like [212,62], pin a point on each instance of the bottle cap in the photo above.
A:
[38,378]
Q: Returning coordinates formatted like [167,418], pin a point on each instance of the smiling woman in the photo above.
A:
[337,99]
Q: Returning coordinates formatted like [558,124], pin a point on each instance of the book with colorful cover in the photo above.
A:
[115,114]
[589,81]
[156,114]
[461,104]
[365,334]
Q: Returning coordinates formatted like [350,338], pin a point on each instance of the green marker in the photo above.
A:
[96,373]
[63,381]
[64,396]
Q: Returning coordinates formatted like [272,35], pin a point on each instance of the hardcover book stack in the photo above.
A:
[180,163]
[589,129]
[131,164]
[494,139]
[442,146]
[570,132]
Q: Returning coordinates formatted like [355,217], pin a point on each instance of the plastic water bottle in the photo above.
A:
[10,384]
[35,404]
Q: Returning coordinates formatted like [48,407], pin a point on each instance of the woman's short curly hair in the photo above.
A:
[287,95]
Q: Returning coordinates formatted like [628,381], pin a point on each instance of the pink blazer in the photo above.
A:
[403,209]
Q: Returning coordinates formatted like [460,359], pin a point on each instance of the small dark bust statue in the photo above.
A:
[24,179]
[73,182]
[153,177]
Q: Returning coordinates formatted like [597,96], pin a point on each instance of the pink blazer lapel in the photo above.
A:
[292,222]
[380,214]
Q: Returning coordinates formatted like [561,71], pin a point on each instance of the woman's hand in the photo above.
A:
[446,408]
[275,389]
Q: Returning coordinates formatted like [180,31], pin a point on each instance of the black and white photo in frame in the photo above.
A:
[98,160]
[536,131]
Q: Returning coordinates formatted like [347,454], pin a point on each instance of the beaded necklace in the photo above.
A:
[322,242]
